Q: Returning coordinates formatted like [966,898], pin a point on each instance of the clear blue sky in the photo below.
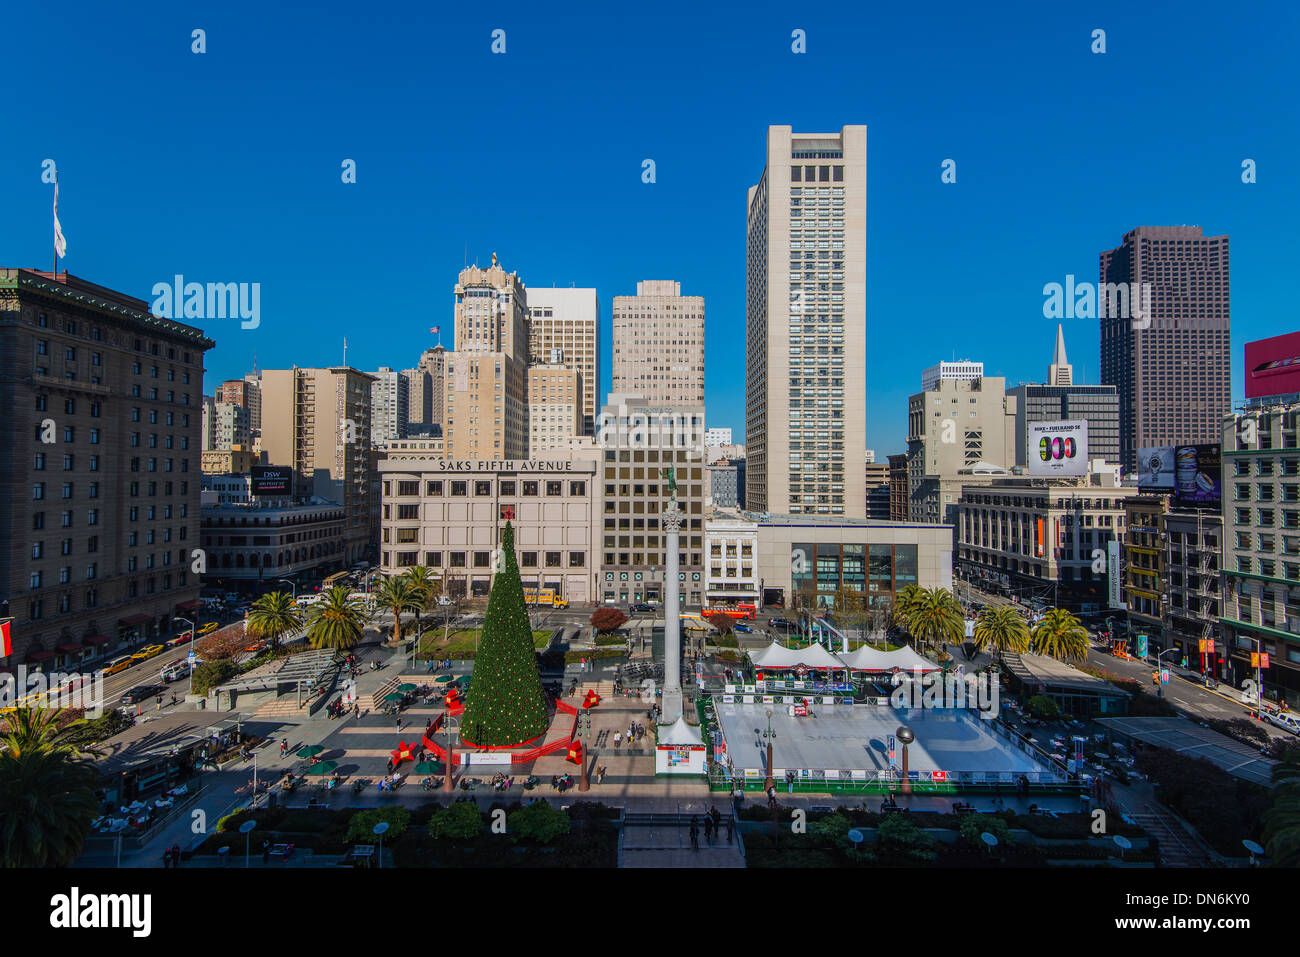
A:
[226,166]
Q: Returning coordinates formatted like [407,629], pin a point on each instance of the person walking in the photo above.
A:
[618,737]
[284,746]
[695,835]
[708,830]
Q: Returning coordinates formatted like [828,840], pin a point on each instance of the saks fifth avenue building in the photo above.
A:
[447,514]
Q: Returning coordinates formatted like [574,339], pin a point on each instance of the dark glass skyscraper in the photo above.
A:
[1166,336]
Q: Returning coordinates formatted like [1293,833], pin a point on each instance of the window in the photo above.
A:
[508,488]
[577,559]
[553,560]
[529,559]
[456,559]
[482,559]
[577,488]
[482,488]
[432,488]
[554,488]
[530,488]
[459,488]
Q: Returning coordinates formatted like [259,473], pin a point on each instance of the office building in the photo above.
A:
[555,397]
[958,431]
[713,438]
[390,396]
[805,322]
[1261,548]
[426,385]
[290,540]
[1062,399]
[1164,308]
[638,443]
[231,426]
[1042,538]
[963,371]
[564,328]
[658,346]
[236,460]
[721,489]
[99,480]
[486,385]
[732,571]
[317,421]
[877,485]
[898,488]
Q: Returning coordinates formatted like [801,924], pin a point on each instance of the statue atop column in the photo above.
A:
[671,474]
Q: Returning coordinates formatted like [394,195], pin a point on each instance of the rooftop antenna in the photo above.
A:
[345,351]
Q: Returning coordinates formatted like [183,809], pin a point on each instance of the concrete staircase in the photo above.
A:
[663,840]
[285,706]
[1177,847]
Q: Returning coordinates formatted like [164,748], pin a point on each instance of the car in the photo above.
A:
[743,628]
[140,693]
[117,667]
[208,627]
[149,651]
[175,671]
[642,607]
[784,624]
[176,640]
[1285,720]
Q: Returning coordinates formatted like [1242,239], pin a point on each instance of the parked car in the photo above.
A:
[1285,720]
[783,624]
[208,627]
[117,667]
[140,693]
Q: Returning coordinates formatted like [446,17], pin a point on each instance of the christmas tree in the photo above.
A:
[505,704]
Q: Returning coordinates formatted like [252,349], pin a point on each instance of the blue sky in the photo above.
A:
[225,166]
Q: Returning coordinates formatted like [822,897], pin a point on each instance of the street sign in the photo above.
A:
[1164,676]
[1142,646]
[1263,659]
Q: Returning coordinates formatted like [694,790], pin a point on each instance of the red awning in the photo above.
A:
[71,646]
[97,640]
[135,620]
[39,655]
[190,605]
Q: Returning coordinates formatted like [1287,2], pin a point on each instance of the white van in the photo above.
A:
[1285,720]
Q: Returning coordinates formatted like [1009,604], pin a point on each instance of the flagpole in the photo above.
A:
[56,214]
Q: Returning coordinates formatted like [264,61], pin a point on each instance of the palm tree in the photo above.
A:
[398,595]
[904,602]
[273,616]
[47,801]
[1059,635]
[336,622]
[1282,820]
[934,616]
[32,729]
[1001,628]
[427,589]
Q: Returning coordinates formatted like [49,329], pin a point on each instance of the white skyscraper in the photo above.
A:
[805,316]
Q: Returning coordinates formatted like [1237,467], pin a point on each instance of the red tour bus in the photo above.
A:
[735,611]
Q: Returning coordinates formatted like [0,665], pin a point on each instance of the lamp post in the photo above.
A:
[292,585]
[584,736]
[769,736]
[905,737]
[446,726]
[247,828]
[191,657]
[380,828]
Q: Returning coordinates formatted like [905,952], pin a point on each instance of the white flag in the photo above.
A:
[60,244]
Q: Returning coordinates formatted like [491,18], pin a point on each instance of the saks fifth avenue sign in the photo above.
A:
[507,465]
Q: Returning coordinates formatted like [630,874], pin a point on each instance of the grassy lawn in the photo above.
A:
[461,644]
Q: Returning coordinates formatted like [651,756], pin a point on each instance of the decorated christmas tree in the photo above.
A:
[505,704]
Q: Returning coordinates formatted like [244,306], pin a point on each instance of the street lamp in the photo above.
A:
[905,737]
[247,830]
[380,828]
[769,735]
[292,584]
[190,690]
[446,726]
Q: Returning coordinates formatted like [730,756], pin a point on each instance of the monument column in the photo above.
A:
[671,521]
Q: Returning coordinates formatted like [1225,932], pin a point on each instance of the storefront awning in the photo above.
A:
[190,605]
[71,647]
[135,620]
[97,639]
[39,655]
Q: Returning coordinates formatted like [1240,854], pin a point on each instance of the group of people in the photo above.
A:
[561,782]
[338,709]
[712,823]
[172,856]
[500,782]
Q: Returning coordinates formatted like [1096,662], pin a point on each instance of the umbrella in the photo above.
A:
[325,767]
[443,679]
[428,767]
[406,688]
[311,751]
[394,696]
[463,680]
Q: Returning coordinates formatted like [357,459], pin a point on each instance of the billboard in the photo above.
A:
[1273,366]
[1058,449]
[271,480]
[1156,469]
[1114,592]
[1198,476]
